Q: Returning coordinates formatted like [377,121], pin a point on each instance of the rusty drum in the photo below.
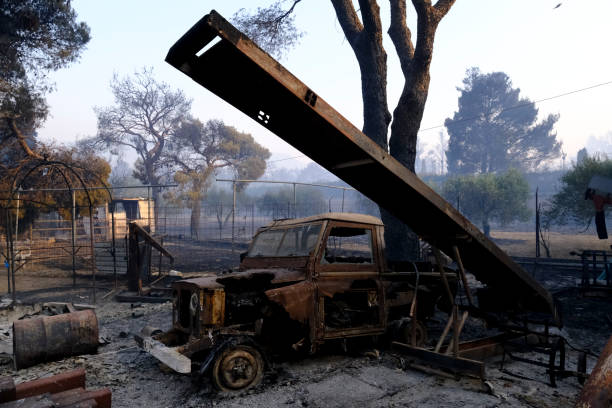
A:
[50,338]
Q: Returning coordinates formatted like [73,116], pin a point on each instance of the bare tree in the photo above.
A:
[145,114]
[365,35]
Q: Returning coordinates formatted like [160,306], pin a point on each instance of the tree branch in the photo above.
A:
[22,141]
[442,7]
[278,19]
[370,13]
[400,34]
[348,19]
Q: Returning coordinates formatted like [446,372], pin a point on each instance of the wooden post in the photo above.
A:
[233,212]
[73,237]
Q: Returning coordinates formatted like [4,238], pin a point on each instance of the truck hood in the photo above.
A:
[251,279]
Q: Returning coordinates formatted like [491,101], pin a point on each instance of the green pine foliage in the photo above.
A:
[568,204]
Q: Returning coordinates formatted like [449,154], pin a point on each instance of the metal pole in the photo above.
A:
[114,249]
[8,251]
[343,200]
[17,219]
[73,237]
[233,212]
[149,208]
[294,202]
[93,255]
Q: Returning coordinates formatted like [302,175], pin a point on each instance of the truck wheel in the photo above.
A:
[237,368]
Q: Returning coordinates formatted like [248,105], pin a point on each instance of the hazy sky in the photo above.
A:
[545,51]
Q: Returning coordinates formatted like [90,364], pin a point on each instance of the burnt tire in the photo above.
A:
[237,368]
[405,333]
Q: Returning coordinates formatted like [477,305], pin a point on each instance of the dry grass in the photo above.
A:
[523,243]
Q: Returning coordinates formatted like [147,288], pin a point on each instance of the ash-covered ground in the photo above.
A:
[364,376]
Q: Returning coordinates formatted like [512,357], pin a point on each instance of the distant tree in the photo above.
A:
[198,150]
[487,197]
[495,129]
[568,204]
[122,174]
[278,202]
[581,155]
[145,115]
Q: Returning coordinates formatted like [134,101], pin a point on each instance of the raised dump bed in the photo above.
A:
[222,59]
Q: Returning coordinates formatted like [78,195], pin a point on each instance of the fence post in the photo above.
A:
[72,236]
[8,251]
[93,252]
[294,202]
[233,212]
[113,243]
[149,208]
[17,218]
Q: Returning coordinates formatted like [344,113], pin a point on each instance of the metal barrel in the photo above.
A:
[597,391]
[50,338]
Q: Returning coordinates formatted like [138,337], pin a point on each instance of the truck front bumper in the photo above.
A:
[170,356]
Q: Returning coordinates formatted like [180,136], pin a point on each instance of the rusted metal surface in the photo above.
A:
[56,383]
[213,307]
[597,391]
[456,365]
[274,276]
[245,76]
[50,338]
[297,300]
[60,390]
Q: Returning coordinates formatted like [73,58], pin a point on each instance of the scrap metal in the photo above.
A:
[61,390]
[41,339]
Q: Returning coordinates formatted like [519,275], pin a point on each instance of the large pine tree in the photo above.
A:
[496,129]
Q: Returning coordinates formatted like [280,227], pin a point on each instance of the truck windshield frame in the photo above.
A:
[289,241]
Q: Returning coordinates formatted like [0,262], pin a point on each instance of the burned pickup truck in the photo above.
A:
[303,282]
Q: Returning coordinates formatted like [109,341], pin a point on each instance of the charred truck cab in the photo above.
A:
[302,282]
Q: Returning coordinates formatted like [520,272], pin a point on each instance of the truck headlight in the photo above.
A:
[194,303]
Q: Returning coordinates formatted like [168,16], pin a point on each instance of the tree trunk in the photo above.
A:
[196,208]
[486,228]
[366,41]
[152,179]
